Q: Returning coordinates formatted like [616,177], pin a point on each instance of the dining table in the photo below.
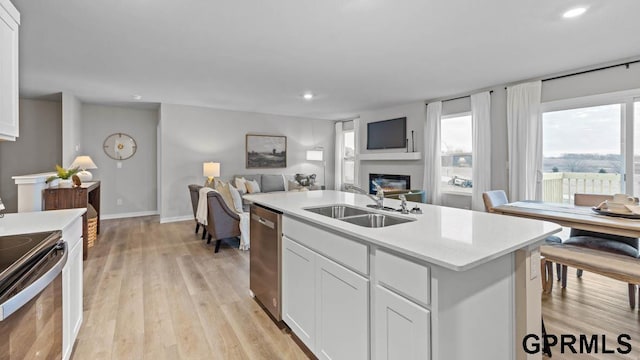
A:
[577,217]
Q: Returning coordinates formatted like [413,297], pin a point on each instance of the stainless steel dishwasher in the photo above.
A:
[265,259]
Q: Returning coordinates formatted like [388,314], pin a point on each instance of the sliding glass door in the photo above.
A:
[590,145]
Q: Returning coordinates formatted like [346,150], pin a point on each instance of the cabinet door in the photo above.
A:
[342,312]
[72,299]
[298,290]
[8,73]
[402,328]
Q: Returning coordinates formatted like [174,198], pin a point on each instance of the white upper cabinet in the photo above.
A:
[9,23]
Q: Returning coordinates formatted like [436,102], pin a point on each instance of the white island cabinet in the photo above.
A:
[449,284]
[9,23]
[325,303]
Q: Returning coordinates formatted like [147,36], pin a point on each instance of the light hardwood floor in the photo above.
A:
[156,291]
[593,304]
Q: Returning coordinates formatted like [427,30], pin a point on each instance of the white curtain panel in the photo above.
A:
[524,133]
[432,158]
[338,156]
[481,124]
[356,165]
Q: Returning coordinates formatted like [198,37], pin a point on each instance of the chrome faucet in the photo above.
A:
[403,204]
[378,198]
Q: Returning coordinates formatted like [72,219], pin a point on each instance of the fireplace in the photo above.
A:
[389,182]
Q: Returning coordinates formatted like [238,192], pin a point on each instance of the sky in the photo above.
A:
[593,130]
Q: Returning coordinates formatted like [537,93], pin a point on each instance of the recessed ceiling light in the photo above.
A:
[308,96]
[137,97]
[575,12]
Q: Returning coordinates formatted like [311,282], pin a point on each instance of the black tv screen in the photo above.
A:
[387,134]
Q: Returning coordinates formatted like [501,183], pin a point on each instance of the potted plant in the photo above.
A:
[64,175]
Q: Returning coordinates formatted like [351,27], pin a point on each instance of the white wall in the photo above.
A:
[135,183]
[191,135]
[415,114]
[71,128]
[37,150]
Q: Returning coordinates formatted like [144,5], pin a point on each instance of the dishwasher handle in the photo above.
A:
[36,286]
[263,221]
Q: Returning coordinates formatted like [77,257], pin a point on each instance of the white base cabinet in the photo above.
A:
[325,304]
[72,287]
[402,328]
[342,312]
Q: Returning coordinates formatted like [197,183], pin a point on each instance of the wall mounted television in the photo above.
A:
[387,134]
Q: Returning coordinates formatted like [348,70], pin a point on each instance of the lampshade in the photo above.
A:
[83,162]
[315,155]
[211,169]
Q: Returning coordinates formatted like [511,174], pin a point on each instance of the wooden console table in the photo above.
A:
[56,198]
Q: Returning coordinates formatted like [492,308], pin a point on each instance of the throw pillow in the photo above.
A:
[223,189]
[240,183]
[271,183]
[294,186]
[252,187]
[237,199]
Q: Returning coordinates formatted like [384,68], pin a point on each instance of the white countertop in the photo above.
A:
[32,178]
[456,239]
[37,221]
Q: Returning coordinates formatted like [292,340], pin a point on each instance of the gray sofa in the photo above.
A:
[269,183]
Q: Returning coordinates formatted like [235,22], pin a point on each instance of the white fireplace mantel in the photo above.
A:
[390,156]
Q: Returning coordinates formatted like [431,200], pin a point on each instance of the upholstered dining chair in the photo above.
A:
[222,222]
[194,192]
[495,198]
[622,245]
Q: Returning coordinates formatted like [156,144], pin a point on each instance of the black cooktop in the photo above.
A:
[18,251]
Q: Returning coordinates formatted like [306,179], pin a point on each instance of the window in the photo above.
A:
[348,160]
[636,148]
[456,149]
[583,152]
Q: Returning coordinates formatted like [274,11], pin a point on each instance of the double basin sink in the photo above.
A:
[358,216]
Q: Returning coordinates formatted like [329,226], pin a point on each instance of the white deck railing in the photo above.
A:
[561,186]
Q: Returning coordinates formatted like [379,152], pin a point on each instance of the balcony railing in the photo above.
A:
[560,187]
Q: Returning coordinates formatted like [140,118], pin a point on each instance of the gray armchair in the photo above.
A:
[222,222]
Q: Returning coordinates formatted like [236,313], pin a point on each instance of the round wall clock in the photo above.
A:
[119,146]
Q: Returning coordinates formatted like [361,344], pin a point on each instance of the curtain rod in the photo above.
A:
[459,97]
[625,64]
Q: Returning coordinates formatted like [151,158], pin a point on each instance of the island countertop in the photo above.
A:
[38,221]
[456,239]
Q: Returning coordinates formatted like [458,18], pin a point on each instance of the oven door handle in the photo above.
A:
[15,302]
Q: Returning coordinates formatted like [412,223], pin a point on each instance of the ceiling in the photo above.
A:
[355,55]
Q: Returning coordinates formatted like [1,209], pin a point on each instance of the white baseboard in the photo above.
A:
[175,219]
[128,215]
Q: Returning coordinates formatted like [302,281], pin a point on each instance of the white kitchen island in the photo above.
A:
[69,222]
[450,285]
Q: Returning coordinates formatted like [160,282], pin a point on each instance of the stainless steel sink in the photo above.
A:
[358,216]
[338,211]
[375,220]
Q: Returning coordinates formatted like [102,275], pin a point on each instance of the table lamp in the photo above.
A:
[83,163]
[210,170]
[318,155]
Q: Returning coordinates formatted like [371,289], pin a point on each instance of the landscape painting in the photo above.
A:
[266,152]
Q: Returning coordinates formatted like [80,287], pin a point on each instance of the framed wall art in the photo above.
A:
[266,151]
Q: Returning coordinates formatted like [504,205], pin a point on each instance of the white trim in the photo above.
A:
[128,215]
[455,115]
[176,219]
[616,97]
